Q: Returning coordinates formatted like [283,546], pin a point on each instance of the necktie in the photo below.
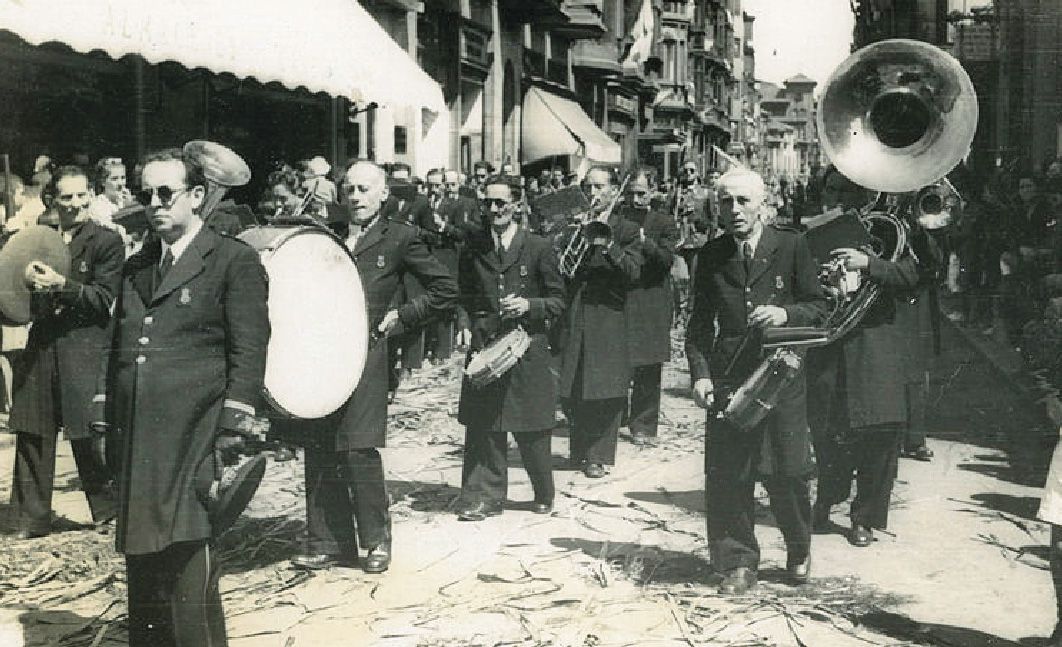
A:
[164,267]
[746,253]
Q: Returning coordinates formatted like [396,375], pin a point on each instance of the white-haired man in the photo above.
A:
[345,487]
[752,277]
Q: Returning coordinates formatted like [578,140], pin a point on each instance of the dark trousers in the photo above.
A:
[174,599]
[595,429]
[870,455]
[34,478]
[915,434]
[412,344]
[345,490]
[485,472]
[731,461]
[439,339]
[644,414]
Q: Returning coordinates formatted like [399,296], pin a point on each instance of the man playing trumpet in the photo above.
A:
[595,369]
[753,277]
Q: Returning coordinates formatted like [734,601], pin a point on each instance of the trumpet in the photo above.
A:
[582,235]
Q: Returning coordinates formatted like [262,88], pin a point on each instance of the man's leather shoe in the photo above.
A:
[640,440]
[480,511]
[861,536]
[739,581]
[541,508]
[922,453]
[820,519]
[378,559]
[799,572]
[319,562]
[594,470]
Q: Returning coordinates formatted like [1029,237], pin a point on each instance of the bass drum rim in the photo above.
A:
[267,246]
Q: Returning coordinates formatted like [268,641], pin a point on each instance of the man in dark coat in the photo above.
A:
[753,277]
[405,204]
[183,376]
[52,387]
[455,216]
[595,363]
[344,470]
[648,309]
[508,278]
[858,385]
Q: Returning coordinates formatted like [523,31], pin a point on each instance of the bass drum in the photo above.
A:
[320,327]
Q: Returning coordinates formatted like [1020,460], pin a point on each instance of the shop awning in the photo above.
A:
[553,125]
[331,46]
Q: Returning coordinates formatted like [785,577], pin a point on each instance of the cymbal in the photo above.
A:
[36,243]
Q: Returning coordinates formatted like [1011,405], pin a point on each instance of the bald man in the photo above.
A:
[752,277]
[344,471]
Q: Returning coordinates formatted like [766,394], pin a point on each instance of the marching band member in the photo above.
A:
[595,364]
[70,331]
[344,470]
[184,373]
[405,204]
[648,309]
[753,277]
[858,395]
[455,216]
[508,277]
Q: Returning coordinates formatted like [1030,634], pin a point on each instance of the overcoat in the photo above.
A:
[384,254]
[593,339]
[648,307]
[55,377]
[461,216]
[416,213]
[180,350]
[525,397]
[784,274]
[871,365]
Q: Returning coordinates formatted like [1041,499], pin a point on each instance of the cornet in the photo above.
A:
[590,231]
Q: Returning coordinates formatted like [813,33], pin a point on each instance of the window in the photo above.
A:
[401,144]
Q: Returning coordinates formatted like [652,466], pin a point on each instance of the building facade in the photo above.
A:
[790,142]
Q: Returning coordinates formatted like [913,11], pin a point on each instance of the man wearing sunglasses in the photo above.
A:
[648,309]
[70,330]
[184,376]
[508,277]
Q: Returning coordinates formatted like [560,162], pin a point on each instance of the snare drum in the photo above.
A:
[320,327]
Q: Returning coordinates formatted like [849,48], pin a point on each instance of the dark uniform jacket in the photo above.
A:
[55,378]
[385,254]
[648,306]
[593,339]
[783,274]
[416,213]
[525,398]
[461,216]
[872,363]
[180,350]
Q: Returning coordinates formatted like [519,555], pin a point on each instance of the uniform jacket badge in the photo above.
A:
[186,296]
[523,270]
[83,268]
[381,261]
[778,282]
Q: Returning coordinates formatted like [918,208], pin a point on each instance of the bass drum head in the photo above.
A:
[320,330]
